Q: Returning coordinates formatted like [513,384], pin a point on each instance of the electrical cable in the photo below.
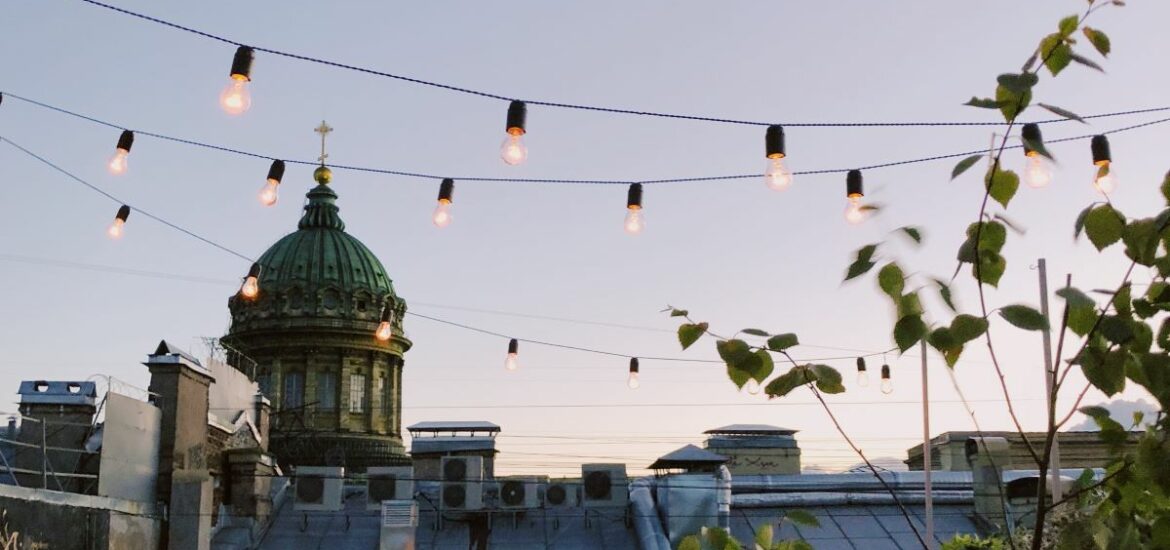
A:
[544,103]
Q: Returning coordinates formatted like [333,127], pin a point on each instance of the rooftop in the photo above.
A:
[454,426]
[750,429]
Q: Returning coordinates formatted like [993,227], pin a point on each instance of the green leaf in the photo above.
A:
[1082,310]
[782,342]
[1116,329]
[909,304]
[764,535]
[800,517]
[1062,112]
[766,366]
[1104,226]
[785,383]
[1068,25]
[1086,61]
[1056,52]
[891,280]
[863,263]
[1104,370]
[952,355]
[689,333]
[1012,103]
[1122,300]
[990,269]
[1099,40]
[966,163]
[679,312]
[755,332]
[1024,317]
[1010,224]
[738,376]
[828,379]
[1018,83]
[1166,187]
[1002,185]
[992,235]
[1079,225]
[690,543]
[944,291]
[965,328]
[1141,240]
[983,103]
[732,351]
[942,339]
[908,331]
[913,233]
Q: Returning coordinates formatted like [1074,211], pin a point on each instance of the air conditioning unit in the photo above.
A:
[386,483]
[519,493]
[562,493]
[462,483]
[319,488]
[604,485]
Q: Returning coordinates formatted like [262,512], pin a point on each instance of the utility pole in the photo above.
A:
[927,452]
[1049,382]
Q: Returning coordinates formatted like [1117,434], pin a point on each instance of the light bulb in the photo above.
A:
[632,382]
[513,150]
[115,230]
[1038,172]
[752,386]
[1106,183]
[384,331]
[235,97]
[442,215]
[118,162]
[862,378]
[854,213]
[887,386]
[251,287]
[269,193]
[512,362]
[634,222]
[777,176]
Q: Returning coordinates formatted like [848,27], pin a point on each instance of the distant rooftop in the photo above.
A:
[686,457]
[750,429]
[57,393]
[455,426]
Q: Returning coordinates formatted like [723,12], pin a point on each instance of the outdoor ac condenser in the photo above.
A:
[319,488]
[518,493]
[462,483]
[604,486]
[562,493]
[385,483]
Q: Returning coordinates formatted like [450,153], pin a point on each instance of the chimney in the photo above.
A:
[987,457]
[58,417]
[262,413]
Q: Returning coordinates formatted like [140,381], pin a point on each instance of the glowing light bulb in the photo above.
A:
[1038,172]
[513,150]
[118,162]
[862,378]
[752,386]
[632,382]
[269,193]
[235,97]
[442,215]
[251,287]
[887,385]
[854,213]
[634,222]
[115,230]
[384,331]
[512,361]
[1106,181]
[777,175]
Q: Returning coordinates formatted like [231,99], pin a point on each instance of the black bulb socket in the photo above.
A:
[513,346]
[446,190]
[123,213]
[634,197]
[860,364]
[276,171]
[126,140]
[1031,134]
[1100,147]
[242,63]
[633,365]
[885,372]
[517,116]
[853,187]
[774,142]
[254,271]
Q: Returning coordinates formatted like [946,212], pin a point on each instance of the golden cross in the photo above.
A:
[323,129]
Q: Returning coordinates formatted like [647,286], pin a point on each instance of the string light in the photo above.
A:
[442,216]
[862,374]
[512,361]
[776,174]
[1038,173]
[855,212]
[887,385]
[632,381]
[384,329]
[1106,181]
[115,230]
[634,222]
[752,386]
[235,97]
[270,192]
[118,162]
[513,150]
[251,287]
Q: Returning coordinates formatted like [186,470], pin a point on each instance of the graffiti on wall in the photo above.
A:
[10,540]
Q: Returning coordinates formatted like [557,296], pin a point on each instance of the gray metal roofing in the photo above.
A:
[870,527]
[688,454]
[460,426]
[428,445]
[761,429]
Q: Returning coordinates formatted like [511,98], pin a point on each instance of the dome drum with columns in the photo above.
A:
[308,338]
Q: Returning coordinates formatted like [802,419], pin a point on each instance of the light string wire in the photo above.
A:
[554,104]
[429,176]
[245,257]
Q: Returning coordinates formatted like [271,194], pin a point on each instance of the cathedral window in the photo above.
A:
[326,391]
[294,390]
[357,393]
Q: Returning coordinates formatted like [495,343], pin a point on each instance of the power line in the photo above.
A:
[545,103]
[431,176]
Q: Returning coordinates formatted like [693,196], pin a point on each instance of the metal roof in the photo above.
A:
[751,429]
[57,393]
[455,426]
[686,456]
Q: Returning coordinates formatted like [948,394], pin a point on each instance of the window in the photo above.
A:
[326,391]
[379,384]
[357,393]
[294,390]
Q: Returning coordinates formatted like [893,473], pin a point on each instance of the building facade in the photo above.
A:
[308,339]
